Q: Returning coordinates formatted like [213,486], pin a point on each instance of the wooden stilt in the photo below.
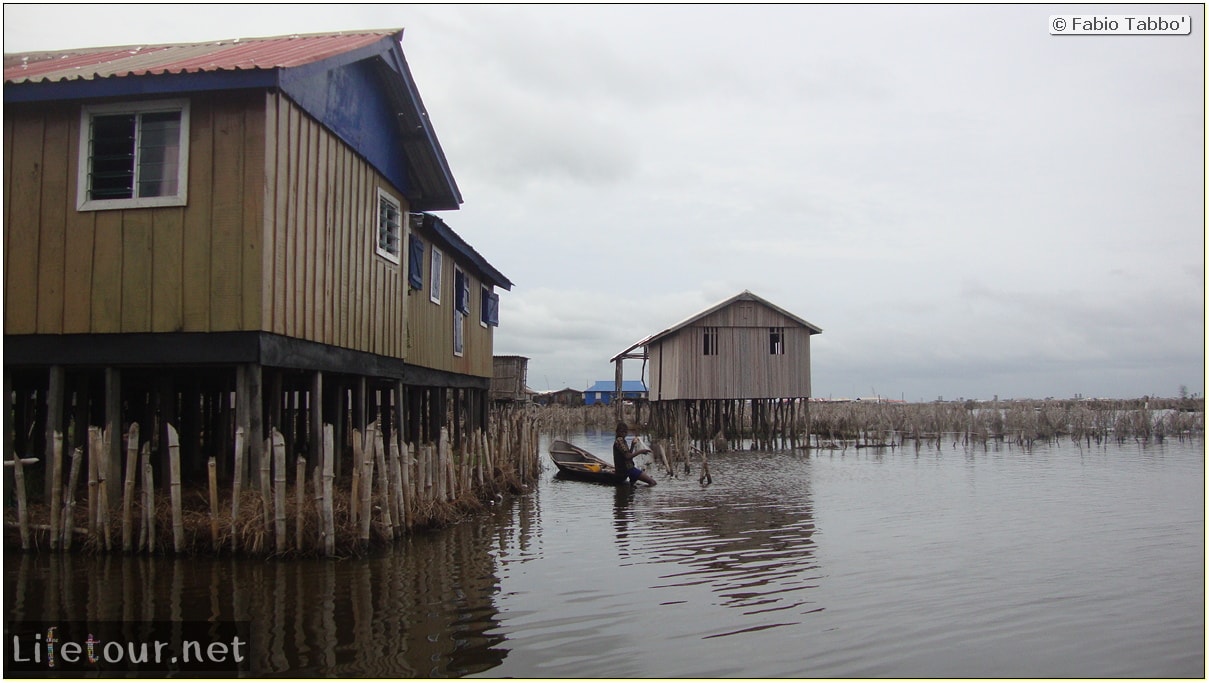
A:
[148,496]
[132,456]
[329,473]
[103,453]
[367,481]
[174,489]
[354,507]
[278,450]
[22,505]
[212,471]
[69,503]
[300,500]
[236,486]
[56,487]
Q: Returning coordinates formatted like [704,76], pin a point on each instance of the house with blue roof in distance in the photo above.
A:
[603,390]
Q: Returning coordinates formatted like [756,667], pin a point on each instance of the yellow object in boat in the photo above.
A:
[592,467]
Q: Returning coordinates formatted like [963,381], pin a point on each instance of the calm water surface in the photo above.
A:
[1051,562]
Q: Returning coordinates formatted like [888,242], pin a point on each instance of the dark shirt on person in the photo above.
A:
[623,462]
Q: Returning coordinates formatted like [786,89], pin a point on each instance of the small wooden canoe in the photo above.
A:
[574,462]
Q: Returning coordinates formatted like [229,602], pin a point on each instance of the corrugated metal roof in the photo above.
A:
[745,295]
[225,55]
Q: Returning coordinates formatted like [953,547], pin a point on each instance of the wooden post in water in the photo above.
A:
[367,482]
[22,507]
[56,484]
[329,475]
[132,458]
[94,448]
[266,488]
[236,484]
[148,496]
[279,488]
[174,489]
[354,499]
[382,479]
[69,503]
[396,484]
[103,453]
[213,477]
[299,500]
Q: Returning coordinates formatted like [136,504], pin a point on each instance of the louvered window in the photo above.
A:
[390,227]
[133,155]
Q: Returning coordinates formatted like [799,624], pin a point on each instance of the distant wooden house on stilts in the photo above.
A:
[231,237]
[740,368]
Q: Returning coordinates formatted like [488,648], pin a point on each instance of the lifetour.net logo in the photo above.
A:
[152,648]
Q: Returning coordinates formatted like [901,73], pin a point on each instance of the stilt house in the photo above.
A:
[235,234]
[741,353]
[510,382]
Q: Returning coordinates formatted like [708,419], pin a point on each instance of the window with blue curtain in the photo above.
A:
[415,262]
[462,290]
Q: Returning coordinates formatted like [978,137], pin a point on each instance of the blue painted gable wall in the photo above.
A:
[351,101]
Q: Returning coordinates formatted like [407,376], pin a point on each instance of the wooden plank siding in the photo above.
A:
[743,368]
[163,269]
[431,325]
[278,235]
[325,282]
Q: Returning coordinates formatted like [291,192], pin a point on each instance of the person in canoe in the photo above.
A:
[623,458]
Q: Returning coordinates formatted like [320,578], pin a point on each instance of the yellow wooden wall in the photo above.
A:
[169,269]
[743,367]
[431,325]
[278,235]
[324,282]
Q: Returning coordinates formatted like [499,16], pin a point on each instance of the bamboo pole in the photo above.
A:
[329,475]
[236,483]
[355,493]
[174,488]
[266,490]
[409,494]
[56,488]
[93,455]
[103,436]
[132,457]
[396,485]
[382,479]
[300,500]
[149,497]
[279,488]
[426,468]
[69,503]
[443,458]
[367,481]
[22,505]
[211,468]
[480,447]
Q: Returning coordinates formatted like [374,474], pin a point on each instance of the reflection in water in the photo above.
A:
[424,609]
[932,563]
[753,548]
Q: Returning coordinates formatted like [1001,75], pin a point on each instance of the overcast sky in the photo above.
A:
[967,205]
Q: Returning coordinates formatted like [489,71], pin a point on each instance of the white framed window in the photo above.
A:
[390,227]
[459,327]
[434,285]
[133,155]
